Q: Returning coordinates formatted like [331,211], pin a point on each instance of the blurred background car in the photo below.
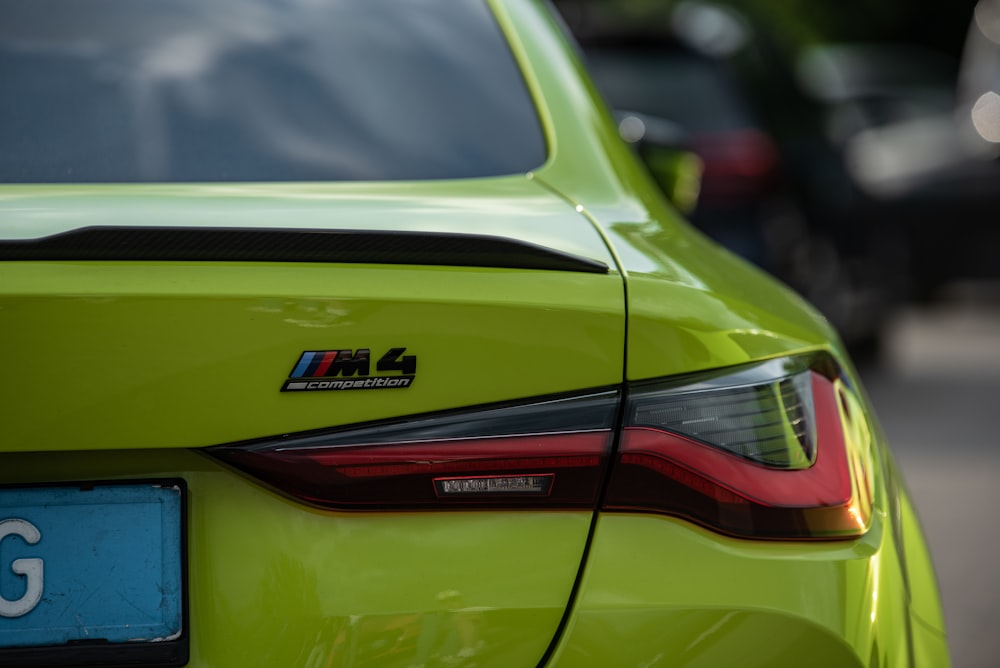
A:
[835,165]
[774,187]
[917,130]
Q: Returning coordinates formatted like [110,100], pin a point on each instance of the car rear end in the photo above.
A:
[384,486]
[469,396]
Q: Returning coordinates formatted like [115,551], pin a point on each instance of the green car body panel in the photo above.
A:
[124,370]
[213,335]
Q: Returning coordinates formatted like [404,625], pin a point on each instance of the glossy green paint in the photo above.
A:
[208,336]
[672,593]
[124,366]
[692,305]
[125,355]
[656,591]
[275,584]
[511,206]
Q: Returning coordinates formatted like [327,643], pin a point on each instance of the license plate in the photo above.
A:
[89,569]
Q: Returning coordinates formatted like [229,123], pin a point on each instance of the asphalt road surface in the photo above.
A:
[936,390]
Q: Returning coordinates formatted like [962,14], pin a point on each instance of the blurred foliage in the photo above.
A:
[793,24]
[800,22]
[941,25]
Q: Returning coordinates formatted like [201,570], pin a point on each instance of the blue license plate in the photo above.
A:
[93,564]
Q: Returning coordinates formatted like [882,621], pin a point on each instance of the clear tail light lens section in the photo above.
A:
[760,452]
[550,453]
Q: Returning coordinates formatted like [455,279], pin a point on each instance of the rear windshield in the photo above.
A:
[259,90]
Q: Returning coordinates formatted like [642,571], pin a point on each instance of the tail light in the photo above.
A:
[766,451]
[738,164]
[550,453]
[762,452]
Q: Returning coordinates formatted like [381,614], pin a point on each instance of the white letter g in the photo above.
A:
[31,568]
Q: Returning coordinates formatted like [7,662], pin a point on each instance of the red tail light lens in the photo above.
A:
[739,164]
[758,453]
[550,453]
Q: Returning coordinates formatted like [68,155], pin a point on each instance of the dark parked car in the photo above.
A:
[775,189]
[918,132]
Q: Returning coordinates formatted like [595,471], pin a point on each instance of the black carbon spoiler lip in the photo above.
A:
[217,244]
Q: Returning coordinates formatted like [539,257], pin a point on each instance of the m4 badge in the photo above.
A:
[351,370]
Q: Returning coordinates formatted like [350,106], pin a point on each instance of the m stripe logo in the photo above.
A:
[315,369]
[323,363]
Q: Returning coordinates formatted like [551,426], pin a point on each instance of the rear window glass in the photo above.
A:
[259,90]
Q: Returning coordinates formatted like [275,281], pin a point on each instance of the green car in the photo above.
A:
[351,334]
